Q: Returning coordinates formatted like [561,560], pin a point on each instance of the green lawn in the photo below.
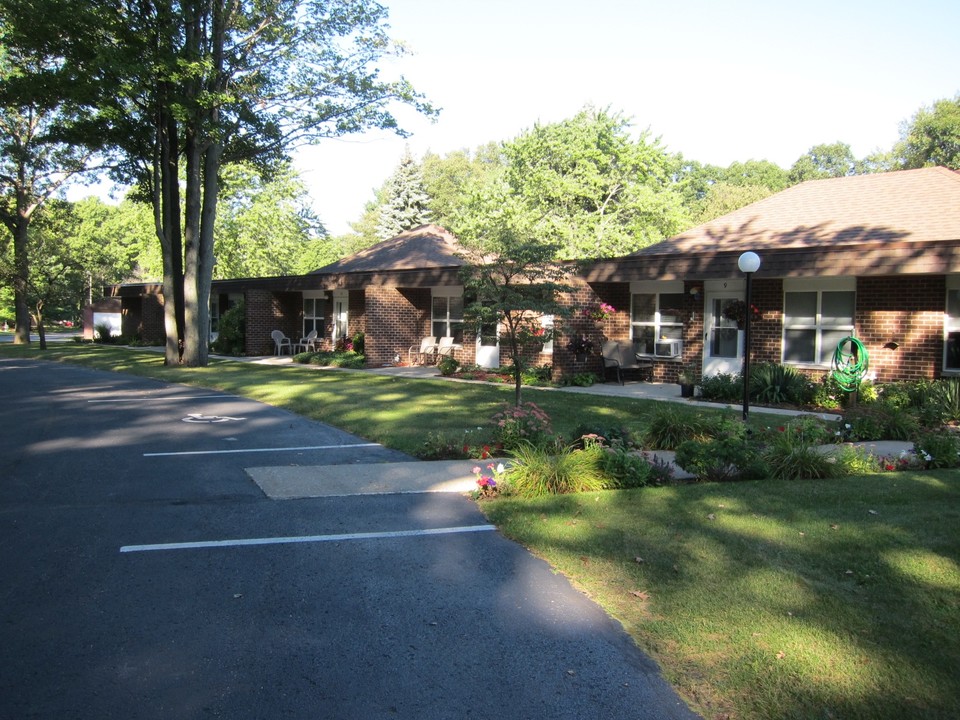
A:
[811,599]
[396,412]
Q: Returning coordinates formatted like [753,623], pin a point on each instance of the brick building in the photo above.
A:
[875,257]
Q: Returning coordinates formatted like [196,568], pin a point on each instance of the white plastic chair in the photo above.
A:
[445,348]
[419,355]
[281,341]
[309,343]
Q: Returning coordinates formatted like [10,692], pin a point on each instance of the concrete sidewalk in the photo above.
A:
[429,476]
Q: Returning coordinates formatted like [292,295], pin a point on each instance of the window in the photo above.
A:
[656,316]
[546,322]
[219,304]
[815,321]
[313,314]
[951,361]
[447,317]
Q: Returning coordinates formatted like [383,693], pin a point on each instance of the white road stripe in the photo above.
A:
[307,539]
[261,450]
[163,397]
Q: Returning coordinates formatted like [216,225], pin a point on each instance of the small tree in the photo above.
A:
[511,277]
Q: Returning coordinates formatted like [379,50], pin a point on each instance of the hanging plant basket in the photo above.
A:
[737,311]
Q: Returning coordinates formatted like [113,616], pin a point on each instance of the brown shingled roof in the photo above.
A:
[906,206]
[428,246]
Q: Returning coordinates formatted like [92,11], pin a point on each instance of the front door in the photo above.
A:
[722,340]
[488,346]
[341,305]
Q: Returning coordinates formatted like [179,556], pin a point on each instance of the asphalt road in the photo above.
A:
[145,575]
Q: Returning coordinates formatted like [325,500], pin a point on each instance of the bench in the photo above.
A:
[620,358]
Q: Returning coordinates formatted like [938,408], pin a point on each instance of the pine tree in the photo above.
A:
[406,201]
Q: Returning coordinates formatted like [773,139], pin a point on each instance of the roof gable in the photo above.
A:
[906,206]
[427,246]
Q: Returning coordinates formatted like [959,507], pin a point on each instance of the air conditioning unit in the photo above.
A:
[668,348]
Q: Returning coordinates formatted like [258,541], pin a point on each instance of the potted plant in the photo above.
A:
[687,378]
[581,346]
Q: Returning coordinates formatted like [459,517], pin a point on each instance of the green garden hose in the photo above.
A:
[849,368]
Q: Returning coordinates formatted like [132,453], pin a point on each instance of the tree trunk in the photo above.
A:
[38,321]
[21,261]
[166,205]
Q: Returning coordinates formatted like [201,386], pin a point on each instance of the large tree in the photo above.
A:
[829,160]
[406,204]
[36,157]
[596,189]
[931,137]
[264,225]
[182,87]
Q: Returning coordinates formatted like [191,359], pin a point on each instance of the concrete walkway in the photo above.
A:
[286,482]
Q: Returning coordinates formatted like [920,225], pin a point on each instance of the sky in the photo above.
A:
[716,80]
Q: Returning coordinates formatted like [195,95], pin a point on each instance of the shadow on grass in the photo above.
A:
[772,599]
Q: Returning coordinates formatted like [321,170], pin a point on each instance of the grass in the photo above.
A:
[388,410]
[774,599]
[766,599]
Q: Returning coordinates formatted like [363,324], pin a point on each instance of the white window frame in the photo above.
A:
[821,358]
[546,322]
[317,321]
[446,292]
[656,288]
[950,324]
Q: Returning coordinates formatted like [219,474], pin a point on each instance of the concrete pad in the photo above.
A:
[287,483]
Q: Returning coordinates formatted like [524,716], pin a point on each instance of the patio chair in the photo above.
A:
[309,343]
[616,357]
[281,341]
[445,348]
[419,355]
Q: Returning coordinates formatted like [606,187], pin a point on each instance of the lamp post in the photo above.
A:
[748,263]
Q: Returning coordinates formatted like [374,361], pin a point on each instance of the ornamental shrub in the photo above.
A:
[776,384]
[523,424]
[232,335]
[538,470]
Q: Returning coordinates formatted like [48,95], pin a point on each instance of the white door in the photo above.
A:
[722,340]
[488,346]
[341,305]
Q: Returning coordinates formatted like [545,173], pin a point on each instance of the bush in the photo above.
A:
[938,449]
[584,379]
[103,333]
[945,400]
[538,470]
[542,375]
[722,387]
[625,469]
[359,343]
[878,421]
[826,393]
[614,436]
[448,365]
[325,358]
[734,457]
[526,424]
[232,336]
[777,384]
[671,425]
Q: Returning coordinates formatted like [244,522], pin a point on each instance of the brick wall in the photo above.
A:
[586,297]
[396,318]
[268,311]
[907,310]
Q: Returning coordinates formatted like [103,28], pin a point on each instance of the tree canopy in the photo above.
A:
[931,137]
[177,89]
